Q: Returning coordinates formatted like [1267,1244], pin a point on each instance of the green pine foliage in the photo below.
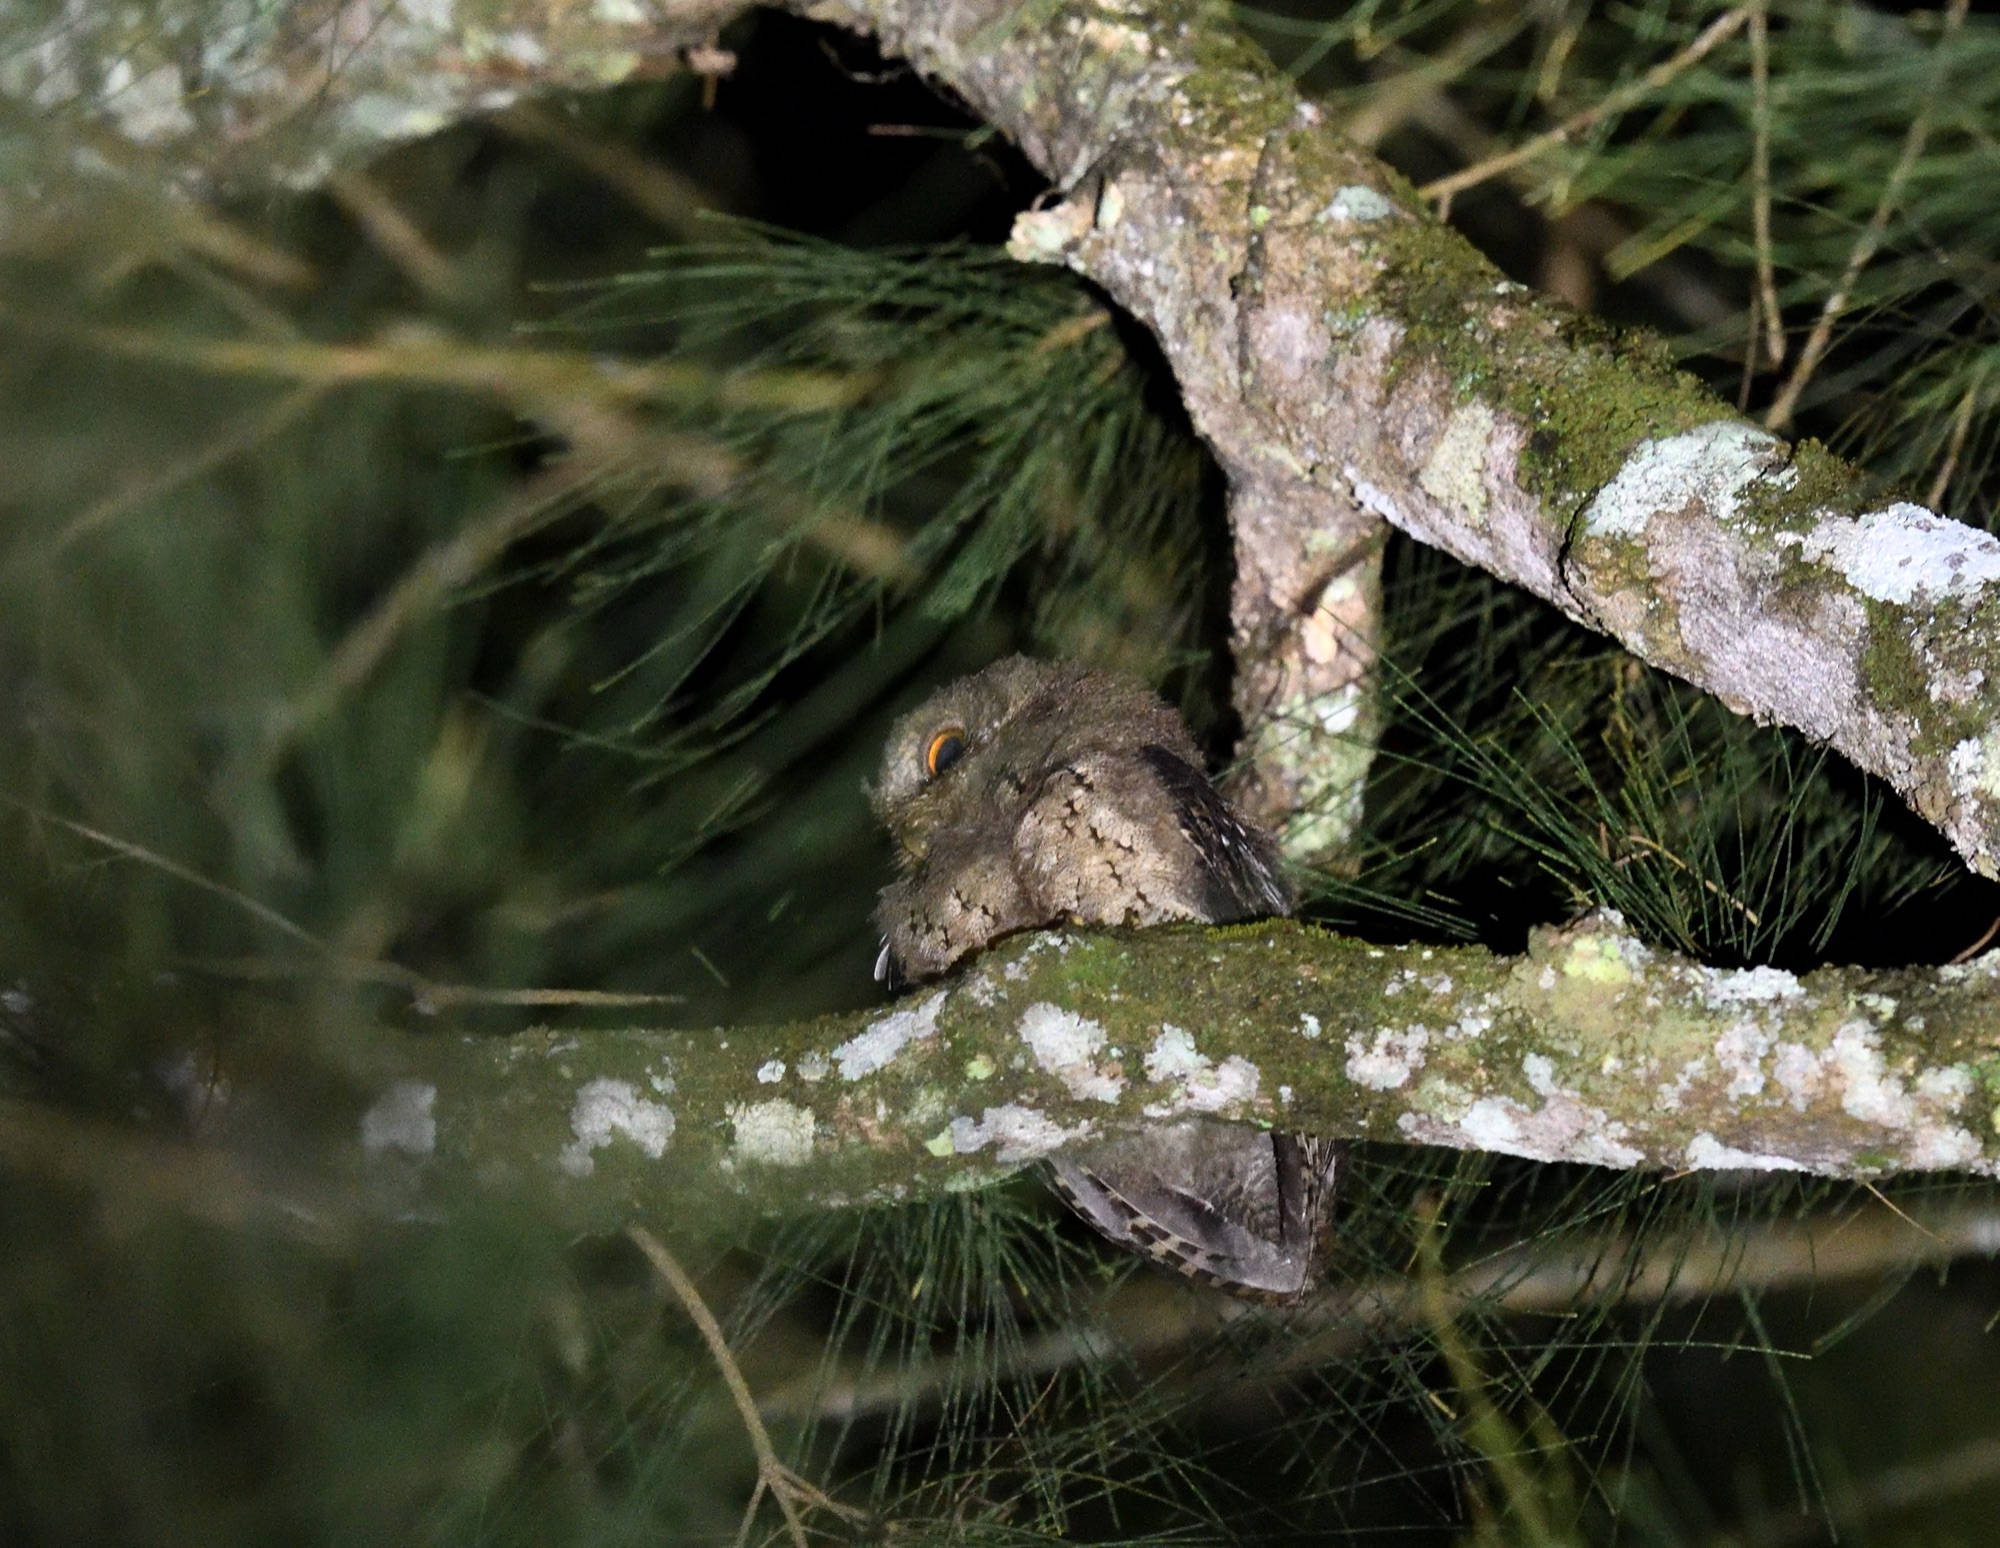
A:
[382,641]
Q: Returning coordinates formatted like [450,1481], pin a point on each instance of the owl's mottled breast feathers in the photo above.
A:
[1037,793]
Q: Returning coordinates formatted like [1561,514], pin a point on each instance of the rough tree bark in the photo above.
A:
[1351,361]
[1590,1049]
[1349,358]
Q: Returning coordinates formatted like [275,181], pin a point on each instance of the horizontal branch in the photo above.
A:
[1592,1048]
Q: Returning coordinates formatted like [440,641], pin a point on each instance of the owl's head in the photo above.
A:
[974,754]
[972,786]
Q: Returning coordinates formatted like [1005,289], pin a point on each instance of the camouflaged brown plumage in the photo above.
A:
[1038,793]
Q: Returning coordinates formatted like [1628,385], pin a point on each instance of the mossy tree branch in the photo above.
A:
[1348,356]
[1350,359]
[1592,1048]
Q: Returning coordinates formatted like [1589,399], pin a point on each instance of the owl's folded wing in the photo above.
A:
[1239,863]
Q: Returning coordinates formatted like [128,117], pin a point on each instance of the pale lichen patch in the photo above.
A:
[1724,987]
[1230,1086]
[1596,961]
[1740,1051]
[1562,1129]
[1870,1090]
[1020,1133]
[774,1133]
[1711,467]
[1706,1153]
[1200,1085]
[770,1072]
[878,1044]
[606,1108]
[1904,553]
[1796,1069]
[1455,471]
[1066,1045]
[1389,1060]
[402,1119]
[1356,204]
[1173,1055]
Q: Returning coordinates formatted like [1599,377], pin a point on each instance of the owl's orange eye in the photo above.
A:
[946,748]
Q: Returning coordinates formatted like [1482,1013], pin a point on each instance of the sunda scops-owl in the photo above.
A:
[1038,793]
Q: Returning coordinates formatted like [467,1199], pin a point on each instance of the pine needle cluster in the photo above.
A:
[433,631]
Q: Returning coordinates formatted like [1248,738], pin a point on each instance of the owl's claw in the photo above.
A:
[884,964]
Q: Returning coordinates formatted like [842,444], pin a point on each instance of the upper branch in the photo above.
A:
[1348,357]
[1341,348]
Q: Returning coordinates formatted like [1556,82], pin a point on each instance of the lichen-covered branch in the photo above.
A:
[1350,359]
[1591,1049]
[1348,356]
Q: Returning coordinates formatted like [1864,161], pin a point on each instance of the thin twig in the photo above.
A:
[1675,860]
[425,993]
[396,236]
[1716,33]
[218,452]
[1394,97]
[1979,945]
[662,196]
[519,375]
[1870,241]
[1961,427]
[1890,1205]
[427,996]
[1760,182]
[786,1487]
[1148,1316]
[179,872]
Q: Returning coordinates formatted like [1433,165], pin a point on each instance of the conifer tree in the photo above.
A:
[484,479]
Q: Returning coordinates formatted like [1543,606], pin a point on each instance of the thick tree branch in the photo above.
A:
[1349,358]
[1346,355]
[1591,1049]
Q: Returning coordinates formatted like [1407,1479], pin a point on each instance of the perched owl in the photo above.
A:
[1038,793]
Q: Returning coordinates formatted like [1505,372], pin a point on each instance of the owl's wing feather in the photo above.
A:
[1130,1199]
[1239,864]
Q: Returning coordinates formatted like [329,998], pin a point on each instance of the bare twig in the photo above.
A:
[1979,945]
[427,995]
[1760,183]
[1147,1318]
[657,192]
[1870,241]
[1961,427]
[1394,98]
[1681,865]
[530,377]
[1966,1469]
[439,572]
[1716,33]
[396,236]
[223,449]
[786,1487]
